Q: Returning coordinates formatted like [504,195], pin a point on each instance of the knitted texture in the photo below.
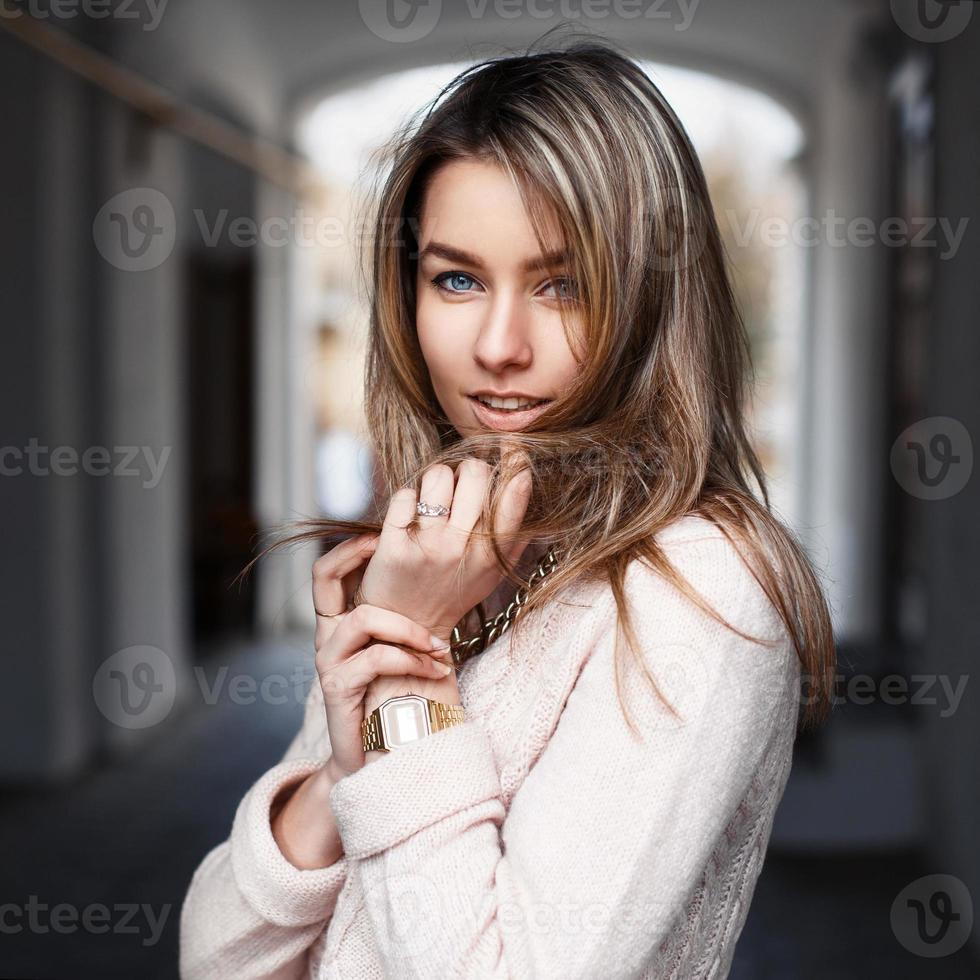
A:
[540,838]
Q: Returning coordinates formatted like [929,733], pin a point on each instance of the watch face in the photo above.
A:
[404,719]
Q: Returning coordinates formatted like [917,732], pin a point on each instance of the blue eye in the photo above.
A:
[446,276]
[571,287]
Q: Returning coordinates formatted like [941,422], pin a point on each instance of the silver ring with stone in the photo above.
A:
[431,510]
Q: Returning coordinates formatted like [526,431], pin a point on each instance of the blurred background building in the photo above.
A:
[184,346]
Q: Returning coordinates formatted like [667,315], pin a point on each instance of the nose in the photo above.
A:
[504,340]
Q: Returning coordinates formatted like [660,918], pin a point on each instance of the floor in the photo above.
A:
[131,834]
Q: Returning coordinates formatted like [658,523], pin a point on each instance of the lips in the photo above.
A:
[503,419]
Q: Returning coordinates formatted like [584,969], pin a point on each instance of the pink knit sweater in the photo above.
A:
[539,838]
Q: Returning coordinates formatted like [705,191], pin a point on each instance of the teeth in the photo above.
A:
[510,403]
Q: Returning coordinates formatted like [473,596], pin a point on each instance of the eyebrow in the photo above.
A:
[442,250]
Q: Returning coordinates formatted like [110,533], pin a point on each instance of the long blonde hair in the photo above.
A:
[651,430]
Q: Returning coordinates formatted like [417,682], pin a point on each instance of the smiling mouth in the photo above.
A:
[506,419]
[522,408]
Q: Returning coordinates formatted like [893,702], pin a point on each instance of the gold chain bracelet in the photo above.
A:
[497,625]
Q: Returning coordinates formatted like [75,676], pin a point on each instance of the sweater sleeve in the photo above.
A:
[606,838]
[248,912]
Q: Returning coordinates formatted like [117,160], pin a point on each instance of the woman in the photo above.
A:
[552,802]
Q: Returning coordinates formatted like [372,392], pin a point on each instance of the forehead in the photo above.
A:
[476,208]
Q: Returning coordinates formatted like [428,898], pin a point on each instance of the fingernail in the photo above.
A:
[443,668]
[438,644]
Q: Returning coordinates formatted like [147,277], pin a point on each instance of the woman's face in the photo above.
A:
[489,324]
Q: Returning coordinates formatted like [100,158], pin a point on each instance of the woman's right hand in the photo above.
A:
[353,647]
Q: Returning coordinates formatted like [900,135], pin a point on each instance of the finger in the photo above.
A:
[367,623]
[350,678]
[437,488]
[332,587]
[401,511]
[509,450]
[514,500]
[472,479]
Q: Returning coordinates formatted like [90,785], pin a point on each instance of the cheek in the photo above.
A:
[426,333]
[438,349]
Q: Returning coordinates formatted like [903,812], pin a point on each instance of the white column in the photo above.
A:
[847,450]
[285,421]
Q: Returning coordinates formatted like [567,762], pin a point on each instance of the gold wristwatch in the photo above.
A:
[406,718]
